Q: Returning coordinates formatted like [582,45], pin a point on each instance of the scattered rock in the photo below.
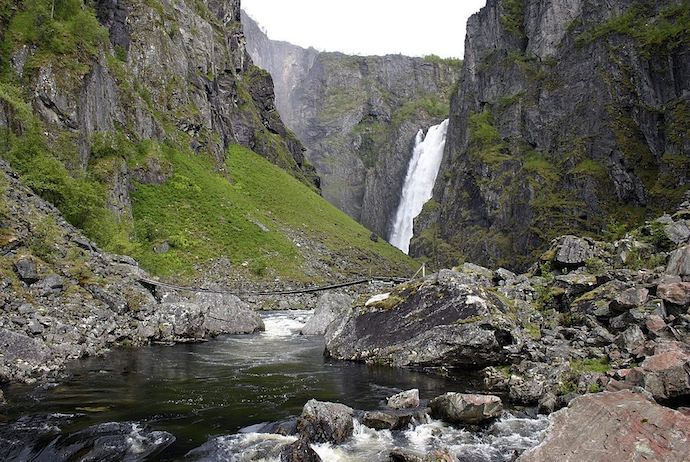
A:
[665,374]
[547,404]
[632,341]
[626,424]
[464,408]
[322,422]
[404,400]
[52,284]
[162,247]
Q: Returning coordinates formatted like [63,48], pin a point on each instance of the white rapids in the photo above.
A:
[501,442]
[419,182]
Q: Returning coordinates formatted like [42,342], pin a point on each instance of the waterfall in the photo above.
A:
[419,182]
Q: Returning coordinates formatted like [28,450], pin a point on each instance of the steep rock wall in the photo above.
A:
[357,117]
[570,116]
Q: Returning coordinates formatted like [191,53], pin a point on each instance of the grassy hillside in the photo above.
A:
[257,215]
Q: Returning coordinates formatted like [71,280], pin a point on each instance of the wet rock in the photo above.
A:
[573,252]
[464,408]
[679,263]
[322,422]
[403,455]
[405,399]
[380,420]
[439,455]
[329,307]
[299,451]
[442,321]
[628,425]
[629,299]
[677,293]
[26,270]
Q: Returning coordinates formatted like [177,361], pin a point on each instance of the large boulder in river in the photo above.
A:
[210,315]
[440,321]
[462,408]
[322,422]
[621,426]
[329,307]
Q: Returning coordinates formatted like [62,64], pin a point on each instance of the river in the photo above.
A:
[218,388]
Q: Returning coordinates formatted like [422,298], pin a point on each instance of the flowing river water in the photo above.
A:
[214,394]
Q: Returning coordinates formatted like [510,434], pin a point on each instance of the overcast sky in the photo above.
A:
[369,27]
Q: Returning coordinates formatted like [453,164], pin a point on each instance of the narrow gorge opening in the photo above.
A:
[419,183]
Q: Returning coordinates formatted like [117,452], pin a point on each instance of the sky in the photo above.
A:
[368,27]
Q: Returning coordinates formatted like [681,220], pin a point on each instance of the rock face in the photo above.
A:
[322,422]
[357,117]
[565,112]
[440,321]
[61,298]
[460,408]
[614,426]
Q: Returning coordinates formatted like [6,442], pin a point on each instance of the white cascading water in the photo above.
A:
[419,182]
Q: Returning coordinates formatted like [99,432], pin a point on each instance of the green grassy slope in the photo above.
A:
[204,215]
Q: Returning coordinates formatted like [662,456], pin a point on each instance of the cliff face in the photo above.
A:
[569,116]
[357,117]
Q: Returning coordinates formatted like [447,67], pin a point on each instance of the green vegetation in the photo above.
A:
[451,62]
[513,19]
[433,106]
[67,36]
[598,365]
[486,142]
[655,31]
[204,215]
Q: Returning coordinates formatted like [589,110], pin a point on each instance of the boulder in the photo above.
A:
[329,307]
[632,341]
[573,252]
[677,293]
[547,404]
[26,270]
[679,263]
[437,322]
[677,232]
[403,455]
[629,299]
[380,420]
[227,314]
[322,422]
[404,400]
[299,451]
[462,408]
[52,284]
[621,426]
[665,374]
